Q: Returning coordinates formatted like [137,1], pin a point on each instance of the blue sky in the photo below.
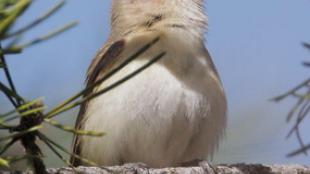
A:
[256,46]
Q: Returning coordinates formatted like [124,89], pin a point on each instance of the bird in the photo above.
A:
[171,113]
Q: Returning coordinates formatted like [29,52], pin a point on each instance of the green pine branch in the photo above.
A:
[300,111]
[31,113]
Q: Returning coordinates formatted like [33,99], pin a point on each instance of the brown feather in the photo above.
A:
[100,65]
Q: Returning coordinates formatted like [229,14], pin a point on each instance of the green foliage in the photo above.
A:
[31,113]
[4,162]
[10,15]
[300,111]
[10,11]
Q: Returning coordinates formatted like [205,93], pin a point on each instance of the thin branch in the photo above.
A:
[26,113]
[8,76]
[300,110]
[5,126]
[303,111]
[7,114]
[19,158]
[72,130]
[13,42]
[47,36]
[299,151]
[8,145]
[281,97]
[107,89]
[16,10]
[11,50]
[45,138]
[306,64]
[55,151]
[40,19]
[294,109]
[106,77]
[7,93]
[306,45]
[24,110]
[301,142]
[19,134]
[4,163]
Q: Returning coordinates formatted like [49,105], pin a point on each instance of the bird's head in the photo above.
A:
[127,14]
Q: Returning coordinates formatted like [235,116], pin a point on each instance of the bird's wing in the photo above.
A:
[103,63]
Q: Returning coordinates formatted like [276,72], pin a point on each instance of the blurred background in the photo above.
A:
[256,46]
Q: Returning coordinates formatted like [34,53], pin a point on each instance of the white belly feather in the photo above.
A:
[156,118]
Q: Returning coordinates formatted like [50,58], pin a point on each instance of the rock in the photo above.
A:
[203,169]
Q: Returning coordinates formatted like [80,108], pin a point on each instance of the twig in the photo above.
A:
[303,108]
[114,85]
[4,163]
[299,151]
[72,130]
[55,151]
[28,141]
[8,145]
[110,74]
[281,97]
[18,158]
[45,138]
[28,112]
[9,93]
[19,134]
[9,78]
[306,45]
[7,114]
[40,19]
[24,110]
[47,36]
[307,64]
[31,113]
[11,50]
[17,9]
[6,127]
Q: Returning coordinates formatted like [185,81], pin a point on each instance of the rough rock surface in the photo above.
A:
[204,168]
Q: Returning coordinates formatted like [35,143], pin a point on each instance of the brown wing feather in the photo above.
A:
[105,58]
[102,63]
[106,61]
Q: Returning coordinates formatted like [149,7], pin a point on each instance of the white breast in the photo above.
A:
[172,112]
